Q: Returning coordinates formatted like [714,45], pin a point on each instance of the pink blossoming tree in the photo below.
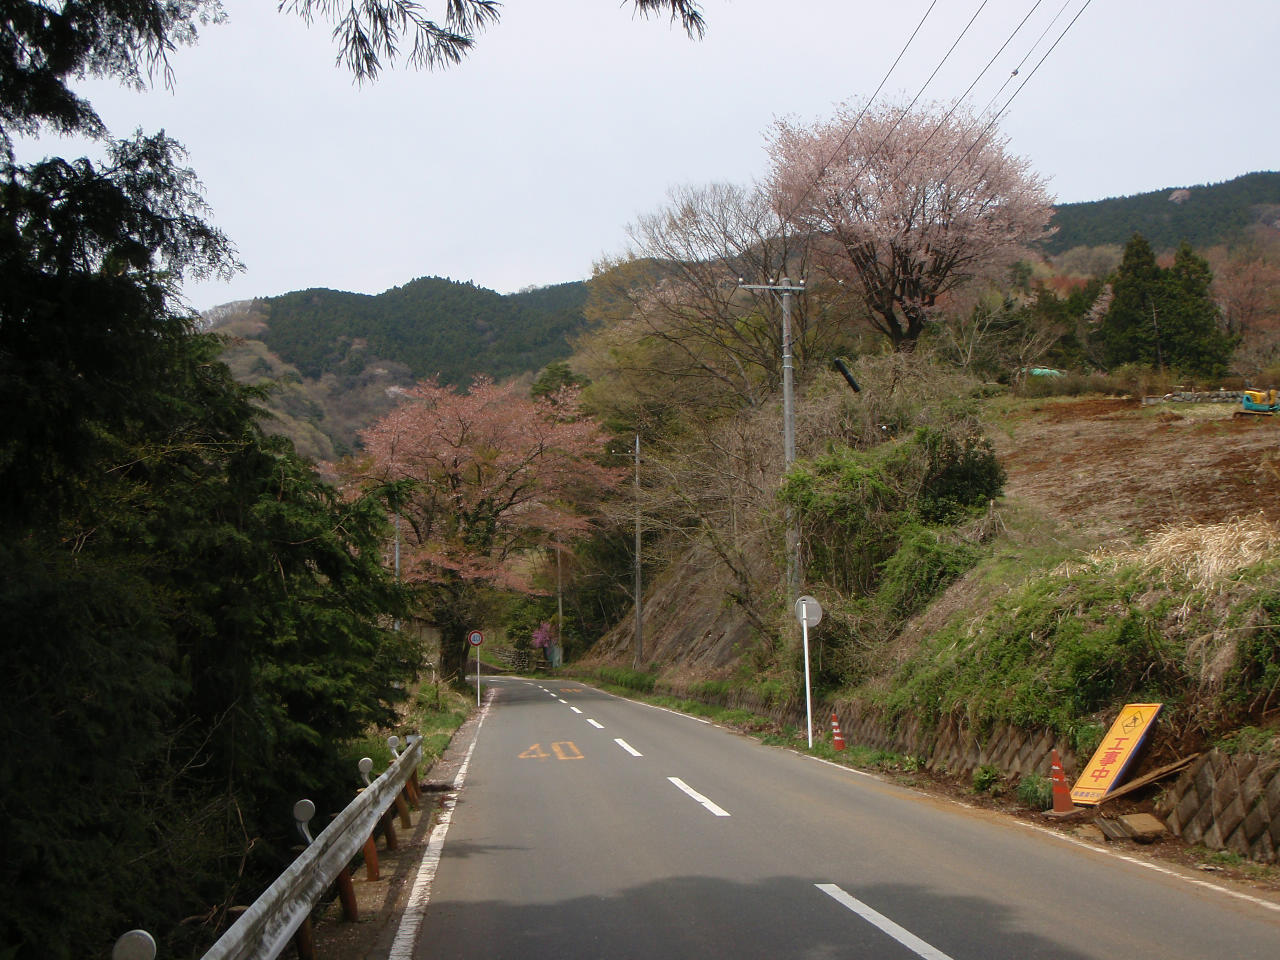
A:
[905,206]
[486,478]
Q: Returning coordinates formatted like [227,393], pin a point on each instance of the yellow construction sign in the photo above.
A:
[1114,753]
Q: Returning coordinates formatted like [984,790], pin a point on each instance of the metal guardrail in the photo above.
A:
[264,930]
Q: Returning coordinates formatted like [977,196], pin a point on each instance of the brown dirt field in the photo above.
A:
[1114,468]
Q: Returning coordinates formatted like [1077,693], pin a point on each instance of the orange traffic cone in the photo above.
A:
[837,738]
[1062,805]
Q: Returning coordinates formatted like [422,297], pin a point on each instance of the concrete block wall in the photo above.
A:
[949,747]
[1228,802]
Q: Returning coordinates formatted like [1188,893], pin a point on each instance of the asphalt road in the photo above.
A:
[593,827]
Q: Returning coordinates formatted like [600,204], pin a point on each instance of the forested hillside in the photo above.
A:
[1202,215]
[438,328]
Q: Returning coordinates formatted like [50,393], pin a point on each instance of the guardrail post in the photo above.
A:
[370,846]
[411,785]
[393,744]
[389,828]
[134,945]
[304,939]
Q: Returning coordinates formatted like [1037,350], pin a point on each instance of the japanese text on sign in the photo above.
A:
[1114,753]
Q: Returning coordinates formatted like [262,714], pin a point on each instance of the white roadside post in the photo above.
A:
[809,613]
[475,638]
[135,945]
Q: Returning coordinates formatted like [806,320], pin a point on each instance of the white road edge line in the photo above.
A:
[1158,868]
[718,810]
[595,723]
[575,709]
[402,947]
[879,920]
[627,747]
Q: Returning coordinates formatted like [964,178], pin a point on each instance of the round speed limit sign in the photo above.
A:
[475,638]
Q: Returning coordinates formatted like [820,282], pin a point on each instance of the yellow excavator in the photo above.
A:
[1259,403]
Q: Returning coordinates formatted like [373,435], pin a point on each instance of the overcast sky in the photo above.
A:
[523,165]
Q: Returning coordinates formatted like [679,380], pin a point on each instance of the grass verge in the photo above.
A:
[435,711]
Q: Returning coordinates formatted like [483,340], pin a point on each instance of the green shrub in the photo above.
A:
[925,563]
[987,779]
[1255,678]
[961,470]
[710,689]
[1036,791]
[1052,652]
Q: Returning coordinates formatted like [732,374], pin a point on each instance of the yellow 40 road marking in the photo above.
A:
[563,750]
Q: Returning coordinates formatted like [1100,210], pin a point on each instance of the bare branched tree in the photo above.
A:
[676,292]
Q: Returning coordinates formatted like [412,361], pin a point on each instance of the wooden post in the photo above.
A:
[370,859]
[403,809]
[304,940]
[412,793]
[347,894]
[389,826]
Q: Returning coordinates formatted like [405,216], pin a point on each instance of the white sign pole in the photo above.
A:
[808,696]
[808,611]
[475,638]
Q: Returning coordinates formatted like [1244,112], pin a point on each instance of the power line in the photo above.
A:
[1027,55]
[901,116]
[969,89]
[865,107]
[982,134]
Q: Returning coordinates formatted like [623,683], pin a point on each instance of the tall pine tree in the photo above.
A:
[1164,318]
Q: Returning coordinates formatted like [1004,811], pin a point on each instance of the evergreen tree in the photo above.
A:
[193,621]
[1161,317]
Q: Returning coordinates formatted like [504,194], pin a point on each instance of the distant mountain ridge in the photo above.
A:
[437,327]
[339,359]
[455,330]
[1203,215]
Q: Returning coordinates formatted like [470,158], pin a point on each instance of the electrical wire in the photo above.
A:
[822,169]
[985,130]
[901,116]
[1027,56]
[956,104]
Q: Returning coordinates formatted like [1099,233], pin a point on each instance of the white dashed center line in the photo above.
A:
[880,921]
[718,810]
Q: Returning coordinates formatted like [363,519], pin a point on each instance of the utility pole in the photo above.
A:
[786,288]
[639,592]
[396,624]
[557,655]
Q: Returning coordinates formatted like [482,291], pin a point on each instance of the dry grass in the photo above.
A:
[1206,556]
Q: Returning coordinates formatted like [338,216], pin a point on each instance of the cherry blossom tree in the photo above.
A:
[904,206]
[479,480]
